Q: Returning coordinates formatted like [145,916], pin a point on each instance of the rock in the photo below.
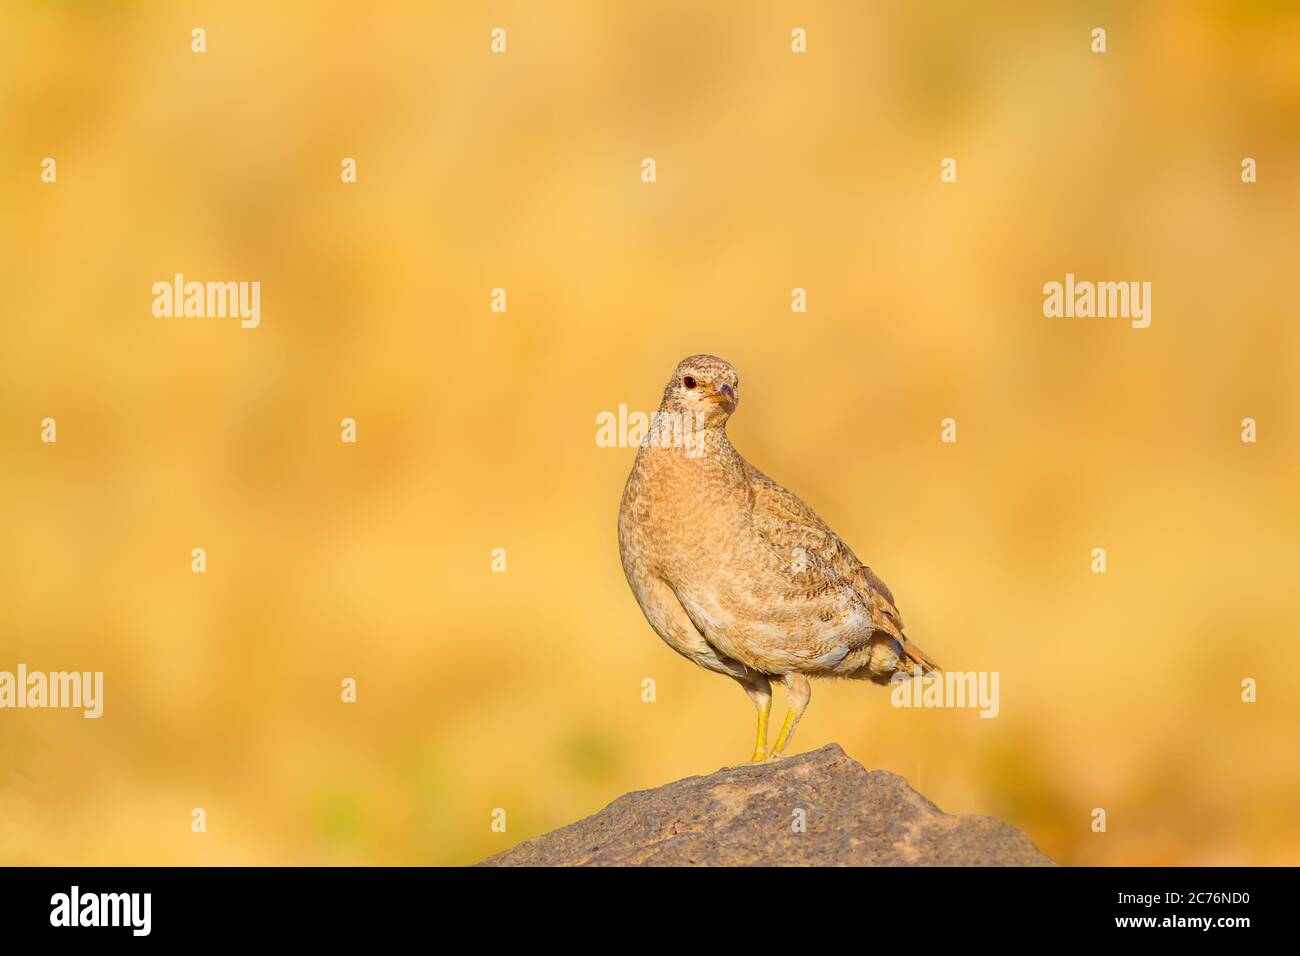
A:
[745,815]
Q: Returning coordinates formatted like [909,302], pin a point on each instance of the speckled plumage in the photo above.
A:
[737,573]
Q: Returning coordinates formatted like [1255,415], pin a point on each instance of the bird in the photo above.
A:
[737,574]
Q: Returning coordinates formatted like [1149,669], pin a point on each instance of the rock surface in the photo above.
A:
[746,815]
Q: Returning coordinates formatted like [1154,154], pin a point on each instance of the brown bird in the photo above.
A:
[736,573]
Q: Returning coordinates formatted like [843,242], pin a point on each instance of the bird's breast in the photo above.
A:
[681,514]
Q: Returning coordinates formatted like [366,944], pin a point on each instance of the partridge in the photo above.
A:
[736,573]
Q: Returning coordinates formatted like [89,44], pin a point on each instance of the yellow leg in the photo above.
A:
[787,728]
[800,692]
[760,744]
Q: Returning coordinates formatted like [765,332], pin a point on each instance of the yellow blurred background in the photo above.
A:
[476,430]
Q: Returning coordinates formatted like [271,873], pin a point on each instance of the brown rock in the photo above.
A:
[741,816]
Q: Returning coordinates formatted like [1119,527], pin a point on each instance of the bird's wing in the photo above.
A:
[813,557]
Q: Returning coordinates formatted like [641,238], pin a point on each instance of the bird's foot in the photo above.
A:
[759,756]
[776,755]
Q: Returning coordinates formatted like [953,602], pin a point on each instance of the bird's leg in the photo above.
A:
[759,689]
[798,693]
[760,740]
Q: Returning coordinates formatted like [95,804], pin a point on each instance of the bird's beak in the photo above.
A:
[726,396]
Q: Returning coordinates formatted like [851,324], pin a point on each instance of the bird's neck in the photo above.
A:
[691,452]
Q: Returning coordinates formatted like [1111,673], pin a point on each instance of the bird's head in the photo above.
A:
[704,387]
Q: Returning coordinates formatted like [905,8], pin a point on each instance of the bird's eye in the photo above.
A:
[689,381]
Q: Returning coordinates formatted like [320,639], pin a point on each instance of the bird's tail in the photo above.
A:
[920,658]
